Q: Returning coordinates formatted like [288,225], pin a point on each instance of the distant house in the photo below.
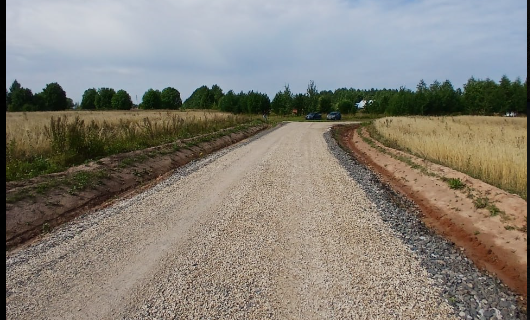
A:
[362,103]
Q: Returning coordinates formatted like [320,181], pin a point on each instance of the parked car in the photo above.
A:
[334,115]
[313,116]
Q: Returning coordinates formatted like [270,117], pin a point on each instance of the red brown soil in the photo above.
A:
[497,244]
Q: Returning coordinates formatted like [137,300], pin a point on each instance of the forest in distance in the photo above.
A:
[478,97]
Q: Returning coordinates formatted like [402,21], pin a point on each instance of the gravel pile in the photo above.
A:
[276,227]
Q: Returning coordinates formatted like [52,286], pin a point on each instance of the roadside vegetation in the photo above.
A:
[491,149]
[46,142]
[48,132]
[410,156]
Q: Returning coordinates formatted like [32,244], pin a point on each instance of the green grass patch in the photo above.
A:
[481,202]
[494,211]
[85,179]
[454,183]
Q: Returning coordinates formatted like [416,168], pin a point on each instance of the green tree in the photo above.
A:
[70,104]
[519,100]
[170,98]
[253,101]
[217,94]
[481,97]
[312,96]
[400,103]
[229,102]
[512,95]
[346,106]
[324,103]
[14,87]
[492,97]
[287,107]
[201,98]
[282,103]
[449,99]
[472,98]
[121,101]
[300,104]
[506,91]
[276,103]
[242,106]
[151,100]
[379,104]
[54,97]
[104,98]
[88,102]
[257,103]
[20,99]
[345,94]
[421,98]
[39,101]
[264,103]
[434,106]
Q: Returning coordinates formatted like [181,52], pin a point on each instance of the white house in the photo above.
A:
[362,103]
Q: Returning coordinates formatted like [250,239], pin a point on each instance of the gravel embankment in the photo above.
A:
[282,226]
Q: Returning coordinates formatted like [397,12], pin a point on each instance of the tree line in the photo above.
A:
[478,97]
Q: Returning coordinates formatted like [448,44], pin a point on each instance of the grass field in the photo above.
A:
[45,142]
[492,149]
[28,129]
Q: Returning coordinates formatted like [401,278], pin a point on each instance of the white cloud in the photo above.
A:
[261,45]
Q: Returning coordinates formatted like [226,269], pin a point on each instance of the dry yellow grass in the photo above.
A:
[27,129]
[492,149]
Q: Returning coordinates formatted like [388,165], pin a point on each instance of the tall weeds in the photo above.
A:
[70,141]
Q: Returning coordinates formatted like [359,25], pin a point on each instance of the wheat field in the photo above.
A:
[492,149]
[27,129]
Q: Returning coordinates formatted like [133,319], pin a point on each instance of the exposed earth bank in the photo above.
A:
[495,243]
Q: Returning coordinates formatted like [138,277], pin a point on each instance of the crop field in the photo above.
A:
[492,149]
[45,142]
[28,129]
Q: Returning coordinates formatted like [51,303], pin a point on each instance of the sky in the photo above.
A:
[261,46]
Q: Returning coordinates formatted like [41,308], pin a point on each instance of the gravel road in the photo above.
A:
[280,226]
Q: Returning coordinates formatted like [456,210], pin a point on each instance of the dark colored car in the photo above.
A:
[313,116]
[334,115]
